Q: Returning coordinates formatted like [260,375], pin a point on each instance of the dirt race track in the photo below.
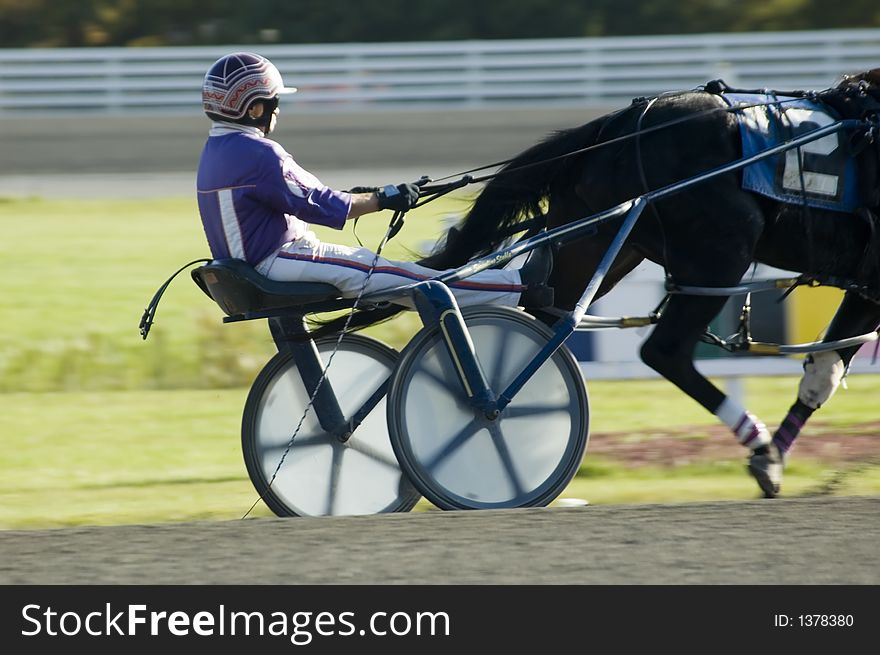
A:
[827,540]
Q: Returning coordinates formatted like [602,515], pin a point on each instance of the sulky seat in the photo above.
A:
[240,290]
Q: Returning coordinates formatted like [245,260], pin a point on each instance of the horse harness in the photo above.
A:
[822,174]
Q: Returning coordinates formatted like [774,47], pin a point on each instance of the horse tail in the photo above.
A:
[514,193]
[360,319]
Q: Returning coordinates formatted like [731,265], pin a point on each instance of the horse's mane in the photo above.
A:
[855,95]
[871,78]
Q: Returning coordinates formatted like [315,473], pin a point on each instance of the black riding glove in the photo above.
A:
[399,198]
[363,189]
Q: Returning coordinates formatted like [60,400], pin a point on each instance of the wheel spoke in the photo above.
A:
[454,444]
[445,384]
[519,411]
[373,453]
[506,459]
[300,441]
[335,470]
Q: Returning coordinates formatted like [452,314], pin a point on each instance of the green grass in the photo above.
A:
[102,458]
[649,405]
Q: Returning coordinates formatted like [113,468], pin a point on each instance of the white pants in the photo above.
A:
[309,260]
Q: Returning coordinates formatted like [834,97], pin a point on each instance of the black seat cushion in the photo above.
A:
[238,289]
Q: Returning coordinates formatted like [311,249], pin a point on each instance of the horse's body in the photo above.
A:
[707,235]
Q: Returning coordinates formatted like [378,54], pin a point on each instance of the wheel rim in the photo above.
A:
[459,459]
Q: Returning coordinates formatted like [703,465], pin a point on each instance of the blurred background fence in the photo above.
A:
[565,72]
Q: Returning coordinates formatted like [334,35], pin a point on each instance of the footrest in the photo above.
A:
[238,289]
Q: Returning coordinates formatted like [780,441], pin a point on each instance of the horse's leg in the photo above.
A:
[823,371]
[670,351]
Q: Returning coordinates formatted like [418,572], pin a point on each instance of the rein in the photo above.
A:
[466,177]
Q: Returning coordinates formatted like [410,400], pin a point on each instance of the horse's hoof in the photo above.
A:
[765,465]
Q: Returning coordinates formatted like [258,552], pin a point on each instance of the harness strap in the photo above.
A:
[720,87]
[150,312]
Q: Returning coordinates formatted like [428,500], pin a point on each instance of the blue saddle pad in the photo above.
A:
[820,173]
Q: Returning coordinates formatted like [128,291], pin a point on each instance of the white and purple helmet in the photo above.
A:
[234,81]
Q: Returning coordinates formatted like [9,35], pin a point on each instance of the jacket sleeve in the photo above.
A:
[291,189]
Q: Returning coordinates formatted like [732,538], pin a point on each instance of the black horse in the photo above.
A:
[707,235]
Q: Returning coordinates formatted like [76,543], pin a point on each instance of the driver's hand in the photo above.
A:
[399,198]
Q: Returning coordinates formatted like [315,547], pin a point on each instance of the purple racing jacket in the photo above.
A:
[253,197]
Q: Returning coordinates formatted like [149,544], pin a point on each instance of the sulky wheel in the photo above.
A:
[321,475]
[460,459]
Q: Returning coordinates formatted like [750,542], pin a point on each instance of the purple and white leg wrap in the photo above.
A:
[788,432]
[791,426]
[747,429]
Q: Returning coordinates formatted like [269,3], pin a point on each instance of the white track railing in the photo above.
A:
[588,72]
